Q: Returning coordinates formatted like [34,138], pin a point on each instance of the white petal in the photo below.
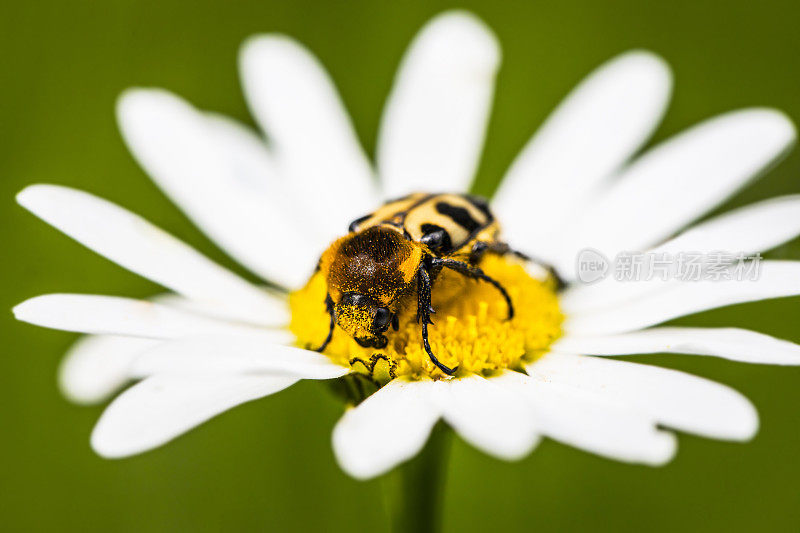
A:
[754,228]
[672,398]
[160,408]
[135,244]
[252,353]
[578,299]
[96,366]
[729,343]
[249,150]
[596,129]
[222,176]
[680,180]
[434,122]
[386,429]
[312,138]
[679,298]
[591,422]
[89,313]
[489,417]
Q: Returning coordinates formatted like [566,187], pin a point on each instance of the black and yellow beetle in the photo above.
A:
[399,250]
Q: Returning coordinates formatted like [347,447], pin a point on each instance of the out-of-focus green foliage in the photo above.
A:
[268,465]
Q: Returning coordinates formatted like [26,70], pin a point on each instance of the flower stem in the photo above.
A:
[414,491]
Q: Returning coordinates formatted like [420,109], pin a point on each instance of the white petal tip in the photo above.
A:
[109,448]
[663,450]
[29,196]
[646,58]
[511,451]
[35,310]
[97,366]
[355,463]
[737,421]
[81,388]
[256,47]
[363,467]
[132,94]
[747,424]
[464,29]
[78,394]
[109,443]
[265,39]
[269,56]
[771,124]
[22,311]
[42,198]
[358,471]
[134,99]
[141,109]
[77,387]
[387,429]
[643,64]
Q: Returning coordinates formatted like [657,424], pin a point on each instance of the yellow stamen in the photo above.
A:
[470,329]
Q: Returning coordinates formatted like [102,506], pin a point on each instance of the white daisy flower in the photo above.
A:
[217,340]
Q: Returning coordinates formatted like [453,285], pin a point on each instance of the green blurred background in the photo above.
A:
[268,465]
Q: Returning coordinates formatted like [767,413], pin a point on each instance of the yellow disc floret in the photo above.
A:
[470,329]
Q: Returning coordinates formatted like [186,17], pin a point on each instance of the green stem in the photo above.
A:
[414,491]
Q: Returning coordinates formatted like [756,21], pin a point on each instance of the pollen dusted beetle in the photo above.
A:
[402,246]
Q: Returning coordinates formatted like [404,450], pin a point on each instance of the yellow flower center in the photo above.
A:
[470,328]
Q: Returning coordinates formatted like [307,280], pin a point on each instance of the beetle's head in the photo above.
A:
[367,273]
[363,318]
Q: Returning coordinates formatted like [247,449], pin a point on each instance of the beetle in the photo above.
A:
[401,248]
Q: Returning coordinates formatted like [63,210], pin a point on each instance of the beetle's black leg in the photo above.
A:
[475,273]
[424,316]
[329,307]
[480,248]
